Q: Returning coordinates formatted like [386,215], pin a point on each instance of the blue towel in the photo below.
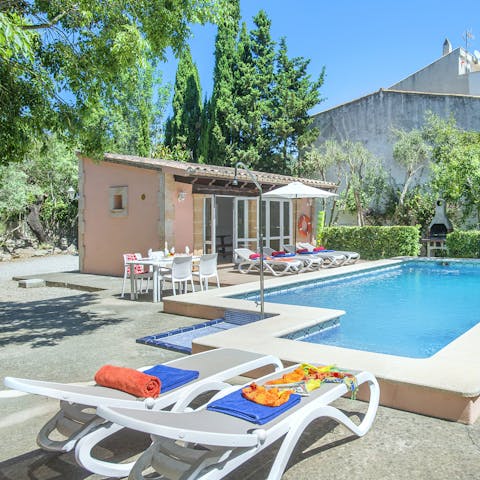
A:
[318,251]
[237,406]
[171,377]
[282,255]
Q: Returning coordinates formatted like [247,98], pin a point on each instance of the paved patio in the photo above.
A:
[66,334]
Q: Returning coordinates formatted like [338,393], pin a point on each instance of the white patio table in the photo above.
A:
[156,264]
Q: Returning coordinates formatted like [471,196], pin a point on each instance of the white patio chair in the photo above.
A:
[207,268]
[181,273]
[139,272]
[208,443]
[76,424]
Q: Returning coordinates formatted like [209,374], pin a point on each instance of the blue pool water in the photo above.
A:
[413,310]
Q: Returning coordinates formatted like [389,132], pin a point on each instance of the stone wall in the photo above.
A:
[449,74]
[369,119]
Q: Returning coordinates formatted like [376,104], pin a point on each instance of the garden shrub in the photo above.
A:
[374,243]
[464,244]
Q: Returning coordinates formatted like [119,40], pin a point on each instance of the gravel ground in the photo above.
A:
[48,264]
[9,291]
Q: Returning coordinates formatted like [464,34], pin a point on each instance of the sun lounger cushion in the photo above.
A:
[236,405]
[128,380]
[171,377]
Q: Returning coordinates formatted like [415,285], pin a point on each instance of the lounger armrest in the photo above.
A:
[191,394]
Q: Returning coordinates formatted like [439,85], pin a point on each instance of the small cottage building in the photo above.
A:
[130,204]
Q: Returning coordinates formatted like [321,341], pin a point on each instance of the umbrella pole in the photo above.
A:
[295,209]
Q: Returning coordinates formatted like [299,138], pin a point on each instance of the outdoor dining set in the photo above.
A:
[161,269]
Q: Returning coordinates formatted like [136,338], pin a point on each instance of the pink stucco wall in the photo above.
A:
[183,224]
[106,237]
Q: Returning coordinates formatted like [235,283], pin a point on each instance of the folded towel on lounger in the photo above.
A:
[171,377]
[282,254]
[236,405]
[128,380]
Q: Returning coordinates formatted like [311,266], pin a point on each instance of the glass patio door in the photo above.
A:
[245,221]
[277,226]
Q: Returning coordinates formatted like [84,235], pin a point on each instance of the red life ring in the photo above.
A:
[304,225]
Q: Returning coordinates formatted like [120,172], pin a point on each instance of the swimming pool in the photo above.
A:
[413,309]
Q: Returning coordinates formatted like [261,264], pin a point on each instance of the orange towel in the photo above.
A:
[272,397]
[128,380]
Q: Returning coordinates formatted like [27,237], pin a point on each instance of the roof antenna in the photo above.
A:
[467,36]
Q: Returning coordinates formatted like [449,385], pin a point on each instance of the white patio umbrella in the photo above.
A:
[299,190]
[296,190]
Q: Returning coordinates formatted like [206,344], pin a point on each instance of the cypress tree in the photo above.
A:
[245,119]
[184,127]
[294,94]
[263,56]
[204,141]
[222,102]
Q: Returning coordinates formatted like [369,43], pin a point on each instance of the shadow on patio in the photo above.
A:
[46,322]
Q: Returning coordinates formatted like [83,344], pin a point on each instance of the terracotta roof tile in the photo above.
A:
[212,171]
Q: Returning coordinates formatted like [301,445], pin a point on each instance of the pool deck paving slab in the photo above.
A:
[66,335]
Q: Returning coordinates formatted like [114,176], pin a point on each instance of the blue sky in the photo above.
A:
[364,45]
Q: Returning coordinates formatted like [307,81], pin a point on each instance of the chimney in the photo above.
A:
[447,47]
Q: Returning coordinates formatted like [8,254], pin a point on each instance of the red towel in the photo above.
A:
[128,380]
[254,256]
[302,250]
[274,253]
[318,249]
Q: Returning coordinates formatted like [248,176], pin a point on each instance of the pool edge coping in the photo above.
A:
[439,372]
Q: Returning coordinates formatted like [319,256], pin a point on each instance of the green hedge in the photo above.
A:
[373,242]
[464,244]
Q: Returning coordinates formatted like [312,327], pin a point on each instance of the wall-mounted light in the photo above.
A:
[181,196]
[72,194]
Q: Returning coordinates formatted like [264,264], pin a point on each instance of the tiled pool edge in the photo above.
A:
[446,385]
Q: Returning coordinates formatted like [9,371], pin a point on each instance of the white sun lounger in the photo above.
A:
[276,267]
[330,259]
[310,262]
[73,421]
[352,257]
[204,444]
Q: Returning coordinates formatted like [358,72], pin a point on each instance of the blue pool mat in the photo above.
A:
[180,339]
